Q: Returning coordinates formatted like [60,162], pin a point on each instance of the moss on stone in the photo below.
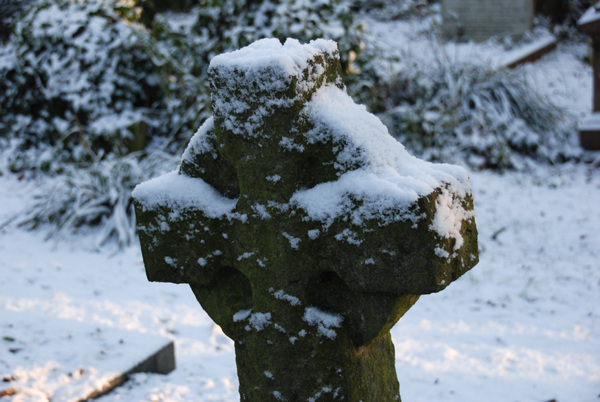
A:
[309,304]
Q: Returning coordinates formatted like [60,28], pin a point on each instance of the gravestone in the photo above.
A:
[589,129]
[303,228]
[481,19]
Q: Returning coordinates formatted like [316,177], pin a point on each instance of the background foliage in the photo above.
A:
[103,94]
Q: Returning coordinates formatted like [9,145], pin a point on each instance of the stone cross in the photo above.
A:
[303,228]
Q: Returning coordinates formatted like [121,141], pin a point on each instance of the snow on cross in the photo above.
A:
[353,230]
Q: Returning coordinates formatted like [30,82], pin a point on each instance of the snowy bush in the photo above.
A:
[9,11]
[471,113]
[97,195]
[92,95]
[84,81]
[231,24]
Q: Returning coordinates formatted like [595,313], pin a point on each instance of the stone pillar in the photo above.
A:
[303,228]
[479,20]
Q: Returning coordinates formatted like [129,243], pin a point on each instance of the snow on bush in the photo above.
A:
[232,24]
[84,85]
[91,95]
[98,195]
[9,11]
[83,81]
[469,112]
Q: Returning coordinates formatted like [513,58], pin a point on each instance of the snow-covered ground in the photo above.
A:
[523,325]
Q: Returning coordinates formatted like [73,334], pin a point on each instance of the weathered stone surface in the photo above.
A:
[481,19]
[304,230]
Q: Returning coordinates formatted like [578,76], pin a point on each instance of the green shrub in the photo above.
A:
[90,93]
[10,10]
[84,82]
[231,24]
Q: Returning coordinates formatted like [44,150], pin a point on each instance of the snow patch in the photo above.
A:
[241,315]
[440,252]
[289,144]
[323,320]
[292,57]
[245,256]
[274,178]
[294,241]
[259,320]
[199,143]
[349,237]
[261,211]
[592,14]
[313,234]
[176,192]
[324,390]
[448,218]
[590,123]
[281,295]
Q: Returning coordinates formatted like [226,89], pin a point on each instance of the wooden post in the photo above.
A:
[589,130]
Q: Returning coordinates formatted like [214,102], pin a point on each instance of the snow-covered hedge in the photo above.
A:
[85,87]
[83,78]
[10,11]
[231,24]
[84,81]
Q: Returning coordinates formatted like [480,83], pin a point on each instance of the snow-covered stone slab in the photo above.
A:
[481,19]
[47,358]
[529,52]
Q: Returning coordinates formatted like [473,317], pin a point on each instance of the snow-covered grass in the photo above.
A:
[96,195]
[523,325]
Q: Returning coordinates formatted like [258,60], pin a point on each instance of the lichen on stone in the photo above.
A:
[303,228]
